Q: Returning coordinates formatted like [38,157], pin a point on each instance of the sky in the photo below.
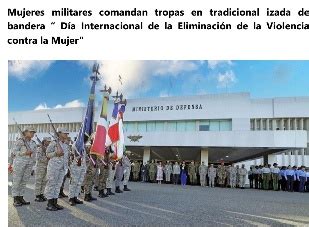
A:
[59,84]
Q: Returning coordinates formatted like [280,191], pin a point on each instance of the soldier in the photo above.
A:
[168,171]
[58,154]
[233,174]
[237,176]
[228,175]
[22,164]
[110,178]
[197,165]
[260,172]
[192,173]
[78,169]
[266,176]
[41,170]
[144,172]
[126,170]
[91,163]
[103,165]
[212,172]
[275,176]
[203,173]
[221,174]
[250,176]
[176,173]
[152,171]
[242,176]
[256,177]
[136,169]
[119,175]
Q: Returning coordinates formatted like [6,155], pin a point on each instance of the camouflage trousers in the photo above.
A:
[21,175]
[151,176]
[203,180]
[126,173]
[168,176]
[40,178]
[76,179]
[192,178]
[55,177]
[212,181]
[102,178]
[233,181]
[110,178]
[88,180]
[96,177]
[221,179]
[242,181]
[135,175]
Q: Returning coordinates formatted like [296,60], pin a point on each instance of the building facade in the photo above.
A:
[230,127]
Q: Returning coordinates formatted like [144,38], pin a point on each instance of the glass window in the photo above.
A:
[151,126]
[190,126]
[203,127]
[141,126]
[171,126]
[130,126]
[225,125]
[159,126]
[181,126]
[214,126]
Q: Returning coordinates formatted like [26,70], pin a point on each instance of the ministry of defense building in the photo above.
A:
[230,127]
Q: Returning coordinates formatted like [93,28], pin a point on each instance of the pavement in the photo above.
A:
[169,205]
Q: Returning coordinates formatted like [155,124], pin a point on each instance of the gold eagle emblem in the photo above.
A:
[134,138]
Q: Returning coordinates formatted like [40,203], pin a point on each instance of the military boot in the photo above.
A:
[50,205]
[77,201]
[118,190]
[43,197]
[125,188]
[61,194]
[23,202]
[72,201]
[92,198]
[17,202]
[57,205]
[38,198]
[109,192]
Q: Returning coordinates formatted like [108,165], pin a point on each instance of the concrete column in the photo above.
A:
[255,124]
[295,123]
[288,124]
[301,123]
[296,157]
[265,160]
[274,124]
[290,157]
[283,159]
[204,155]
[146,156]
[272,158]
[281,124]
[302,152]
[267,124]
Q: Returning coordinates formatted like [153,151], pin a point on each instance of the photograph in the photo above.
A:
[158,142]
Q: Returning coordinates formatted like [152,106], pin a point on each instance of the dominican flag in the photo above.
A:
[115,136]
[86,128]
[98,146]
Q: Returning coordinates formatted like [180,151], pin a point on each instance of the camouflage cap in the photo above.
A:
[29,129]
[63,130]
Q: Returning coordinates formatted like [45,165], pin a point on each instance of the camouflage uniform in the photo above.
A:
[103,166]
[22,166]
[40,171]
[221,175]
[90,174]
[56,169]
[168,171]
[152,171]
[228,175]
[237,176]
[135,168]
[192,173]
[77,170]
[203,172]
[233,173]
[111,175]
[212,172]
[126,170]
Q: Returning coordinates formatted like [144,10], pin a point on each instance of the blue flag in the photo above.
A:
[86,128]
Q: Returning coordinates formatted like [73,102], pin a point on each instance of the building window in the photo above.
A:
[151,126]
[141,127]
[214,126]
[181,126]
[171,126]
[190,126]
[225,125]
[159,126]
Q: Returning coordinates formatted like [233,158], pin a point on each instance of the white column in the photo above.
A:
[288,124]
[290,158]
[295,123]
[281,124]
[146,156]
[255,124]
[302,152]
[274,123]
[301,123]
[204,156]
[296,157]
[272,158]
[283,159]
[267,124]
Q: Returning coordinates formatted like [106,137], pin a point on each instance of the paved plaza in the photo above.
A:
[153,204]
